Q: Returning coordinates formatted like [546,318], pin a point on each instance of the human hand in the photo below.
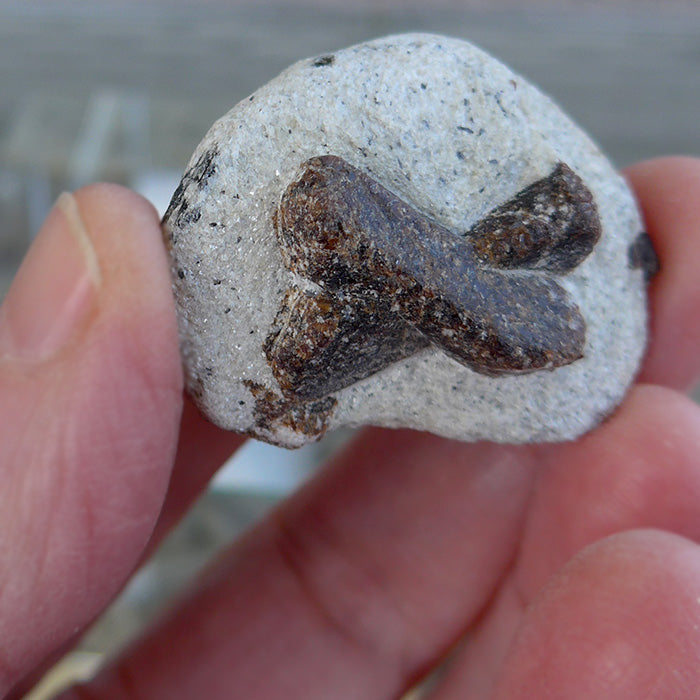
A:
[546,571]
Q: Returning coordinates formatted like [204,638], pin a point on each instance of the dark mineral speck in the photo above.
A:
[643,256]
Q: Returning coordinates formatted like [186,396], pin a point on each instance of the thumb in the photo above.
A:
[90,398]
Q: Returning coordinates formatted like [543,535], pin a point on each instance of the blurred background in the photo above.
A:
[123,91]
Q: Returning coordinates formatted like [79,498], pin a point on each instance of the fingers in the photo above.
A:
[620,621]
[91,394]
[640,469]
[351,589]
[373,571]
[668,190]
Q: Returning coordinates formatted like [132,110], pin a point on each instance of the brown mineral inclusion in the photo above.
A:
[388,281]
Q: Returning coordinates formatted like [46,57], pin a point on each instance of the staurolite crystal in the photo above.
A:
[405,233]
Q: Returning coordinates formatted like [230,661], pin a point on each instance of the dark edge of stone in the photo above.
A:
[642,256]
[321,61]
[179,213]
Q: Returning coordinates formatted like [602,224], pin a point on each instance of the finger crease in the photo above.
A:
[352,601]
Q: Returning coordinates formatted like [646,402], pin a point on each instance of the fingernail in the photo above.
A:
[55,288]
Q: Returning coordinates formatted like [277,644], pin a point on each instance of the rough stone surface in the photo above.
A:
[405,233]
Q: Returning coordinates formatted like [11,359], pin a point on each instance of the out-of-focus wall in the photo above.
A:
[123,90]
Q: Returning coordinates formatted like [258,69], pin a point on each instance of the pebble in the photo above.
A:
[406,233]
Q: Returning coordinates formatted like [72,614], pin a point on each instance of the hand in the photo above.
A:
[548,571]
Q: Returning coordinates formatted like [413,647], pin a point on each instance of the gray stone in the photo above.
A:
[405,233]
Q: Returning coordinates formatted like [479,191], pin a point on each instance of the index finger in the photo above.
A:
[668,191]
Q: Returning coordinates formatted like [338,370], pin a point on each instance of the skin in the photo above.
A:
[548,571]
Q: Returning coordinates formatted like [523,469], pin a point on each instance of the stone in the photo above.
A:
[406,233]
